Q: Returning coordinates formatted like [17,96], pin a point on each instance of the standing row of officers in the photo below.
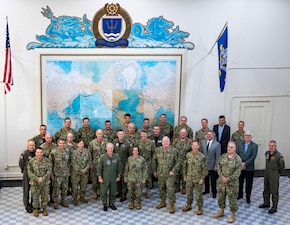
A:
[121,162]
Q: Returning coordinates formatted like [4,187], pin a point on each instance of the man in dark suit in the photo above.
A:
[247,150]
[222,132]
[212,151]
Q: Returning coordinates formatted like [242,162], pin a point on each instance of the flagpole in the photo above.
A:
[5,129]
[218,36]
[5,116]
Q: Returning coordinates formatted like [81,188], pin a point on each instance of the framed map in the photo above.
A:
[105,87]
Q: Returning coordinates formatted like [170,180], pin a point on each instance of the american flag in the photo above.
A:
[7,77]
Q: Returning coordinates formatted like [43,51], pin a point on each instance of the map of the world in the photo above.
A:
[107,88]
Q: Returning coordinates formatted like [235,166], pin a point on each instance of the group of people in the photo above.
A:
[121,161]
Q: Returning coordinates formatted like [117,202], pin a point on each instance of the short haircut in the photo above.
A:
[127,114]
[222,117]
[39,148]
[79,140]
[86,118]
[61,139]
[241,121]
[144,131]
[30,139]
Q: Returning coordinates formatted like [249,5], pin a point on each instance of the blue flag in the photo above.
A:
[223,57]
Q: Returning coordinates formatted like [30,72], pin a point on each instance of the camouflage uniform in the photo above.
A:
[183,147]
[96,149]
[110,135]
[238,137]
[47,148]
[25,157]
[71,147]
[231,169]
[46,152]
[188,129]
[163,162]
[133,139]
[62,133]
[135,171]
[37,169]
[86,134]
[166,130]
[80,161]
[60,169]
[123,127]
[275,165]
[124,151]
[200,135]
[147,149]
[149,131]
[194,169]
[38,140]
[109,169]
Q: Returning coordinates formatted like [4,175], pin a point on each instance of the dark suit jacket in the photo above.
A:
[225,138]
[213,154]
[250,156]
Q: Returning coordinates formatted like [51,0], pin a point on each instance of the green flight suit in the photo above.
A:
[25,157]
[275,165]
[124,151]
[109,168]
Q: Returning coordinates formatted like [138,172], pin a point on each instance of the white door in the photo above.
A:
[257,115]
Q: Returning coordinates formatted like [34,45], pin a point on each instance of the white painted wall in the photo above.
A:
[258,63]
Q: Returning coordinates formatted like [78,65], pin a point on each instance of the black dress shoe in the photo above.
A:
[118,195]
[264,206]
[272,210]
[123,198]
[205,192]
[29,209]
[248,200]
[113,207]
[240,197]
[214,195]
[105,208]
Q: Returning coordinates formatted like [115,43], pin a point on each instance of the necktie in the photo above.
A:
[207,147]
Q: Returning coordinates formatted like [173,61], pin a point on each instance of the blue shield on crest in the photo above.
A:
[112,28]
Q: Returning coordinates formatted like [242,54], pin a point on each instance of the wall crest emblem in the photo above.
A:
[111,26]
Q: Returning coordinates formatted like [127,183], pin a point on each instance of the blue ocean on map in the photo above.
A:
[90,103]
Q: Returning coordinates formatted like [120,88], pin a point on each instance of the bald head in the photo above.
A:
[99,134]
[165,142]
